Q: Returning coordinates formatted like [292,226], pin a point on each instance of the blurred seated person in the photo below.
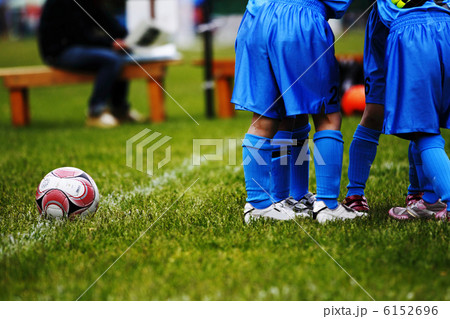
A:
[70,39]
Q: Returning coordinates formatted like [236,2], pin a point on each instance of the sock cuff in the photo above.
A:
[283,135]
[257,142]
[282,139]
[431,141]
[367,134]
[335,135]
[302,132]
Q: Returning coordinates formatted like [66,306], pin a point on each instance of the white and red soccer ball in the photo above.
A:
[67,192]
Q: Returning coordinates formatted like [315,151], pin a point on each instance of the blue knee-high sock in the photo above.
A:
[300,162]
[424,184]
[328,153]
[362,154]
[257,158]
[280,170]
[436,165]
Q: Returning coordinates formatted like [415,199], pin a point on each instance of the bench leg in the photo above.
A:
[156,100]
[20,110]
[224,89]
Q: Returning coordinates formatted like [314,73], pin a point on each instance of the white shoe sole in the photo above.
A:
[276,213]
[324,217]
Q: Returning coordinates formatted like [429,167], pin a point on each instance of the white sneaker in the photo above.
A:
[342,212]
[104,120]
[299,208]
[275,211]
[132,116]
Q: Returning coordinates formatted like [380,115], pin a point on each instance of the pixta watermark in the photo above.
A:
[142,148]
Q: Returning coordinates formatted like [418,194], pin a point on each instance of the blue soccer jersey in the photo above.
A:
[335,8]
[389,12]
[254,5]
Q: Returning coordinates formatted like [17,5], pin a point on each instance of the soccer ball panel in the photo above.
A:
[49,182]
[67,172]
[55,211]
[55,204]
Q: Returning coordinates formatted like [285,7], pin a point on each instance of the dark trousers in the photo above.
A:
[108,87]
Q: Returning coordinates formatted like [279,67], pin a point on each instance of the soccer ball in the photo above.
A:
[354,100]
[67,192]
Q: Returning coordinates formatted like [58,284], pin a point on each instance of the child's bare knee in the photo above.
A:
[331,121]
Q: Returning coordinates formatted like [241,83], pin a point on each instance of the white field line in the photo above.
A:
[40,231]
[114,199]
[11,243]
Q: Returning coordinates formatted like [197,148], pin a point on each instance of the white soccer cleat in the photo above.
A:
[275,211]
[324,214]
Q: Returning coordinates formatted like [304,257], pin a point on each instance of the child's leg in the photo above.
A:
[329,146]
[299,166]
[436,165]
[257,158]
[364,148]
[435,173]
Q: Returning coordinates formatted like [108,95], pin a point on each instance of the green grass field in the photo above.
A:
[199,249]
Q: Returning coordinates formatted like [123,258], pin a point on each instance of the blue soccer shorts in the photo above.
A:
[285,63]
[374,52]
[418,74]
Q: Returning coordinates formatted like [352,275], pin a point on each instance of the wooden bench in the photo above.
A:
[223,71]
[18,81]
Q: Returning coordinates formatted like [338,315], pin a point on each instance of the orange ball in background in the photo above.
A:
[354,100]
